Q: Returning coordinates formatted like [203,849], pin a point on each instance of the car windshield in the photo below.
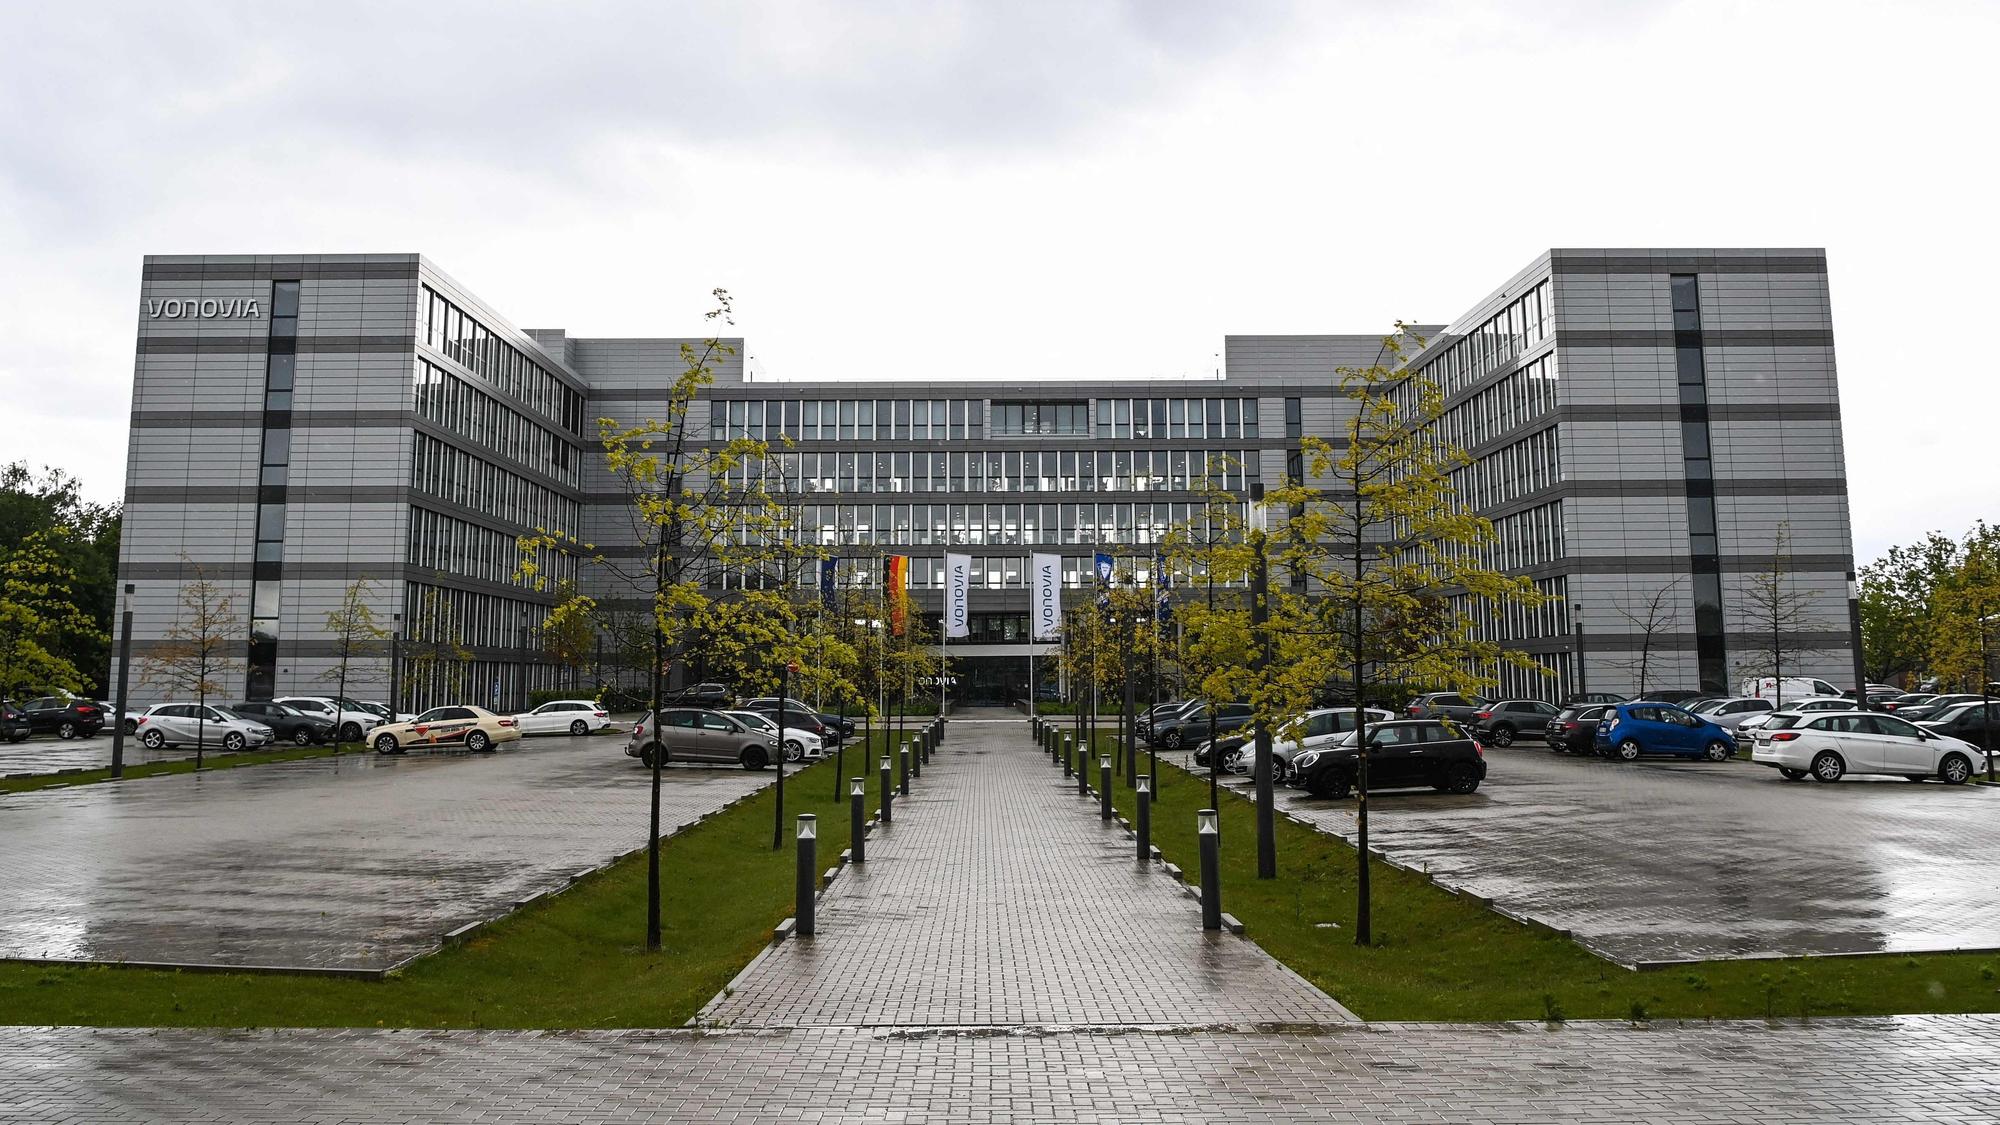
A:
[1782,720]
[752,719]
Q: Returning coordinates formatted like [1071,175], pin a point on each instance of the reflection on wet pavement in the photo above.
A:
[350,862]
[1663,861]
[48,755]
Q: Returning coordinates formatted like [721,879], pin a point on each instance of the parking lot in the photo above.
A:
[53,755]
[355,862]
[1664,860]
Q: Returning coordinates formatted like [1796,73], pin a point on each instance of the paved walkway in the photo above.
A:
[1927,1069]
[1662,860]
[997,897]
[356,862]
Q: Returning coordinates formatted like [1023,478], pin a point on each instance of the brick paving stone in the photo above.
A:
[1911,1069]
[1662,861]
[351,862]
[997,897]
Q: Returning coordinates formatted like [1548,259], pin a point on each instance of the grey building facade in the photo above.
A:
[303,423]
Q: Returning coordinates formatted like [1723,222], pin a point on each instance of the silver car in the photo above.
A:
[695,735]
[183,724]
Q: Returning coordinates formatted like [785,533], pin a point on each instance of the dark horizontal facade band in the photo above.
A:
[1677,566]
[1712,338]
[315,345]
[347,571]
[404,269]
[1687,263]
[247,494]
[1044,443]
[1724,486]
[254,419]
[1596,644]
[1050,391]
[1717,412]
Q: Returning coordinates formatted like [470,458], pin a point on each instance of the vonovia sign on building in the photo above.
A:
[204,308]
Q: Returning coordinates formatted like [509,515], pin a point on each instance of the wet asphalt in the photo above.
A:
[43,755]
[1665,860]
[355,862]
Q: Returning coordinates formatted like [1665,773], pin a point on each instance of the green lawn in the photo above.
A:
[1437,956]
[575,960]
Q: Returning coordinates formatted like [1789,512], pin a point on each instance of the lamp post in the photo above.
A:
[807,886]
[1582,677]
[784,691]
[1985,693]
[124,677]
[1260,641]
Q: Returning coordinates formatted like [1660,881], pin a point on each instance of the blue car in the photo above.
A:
[1632,729]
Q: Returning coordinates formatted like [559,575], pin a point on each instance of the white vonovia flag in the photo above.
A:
[1045,615]
[957,595]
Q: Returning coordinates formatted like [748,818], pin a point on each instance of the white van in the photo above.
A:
[1794,687]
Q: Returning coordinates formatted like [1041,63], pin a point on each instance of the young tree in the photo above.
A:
[1650,621]
[84,537]
[355,634]
[569,635]
[435,649]
[1897,594]
[1777,614]
[195,654]
[41,624]
[1959,643]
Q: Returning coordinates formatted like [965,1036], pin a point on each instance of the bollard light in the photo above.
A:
[1204,821]
[903,778]
[888,793]
[1104,788]
[1210,835]
[1144,803]
[857,818]
[808,886]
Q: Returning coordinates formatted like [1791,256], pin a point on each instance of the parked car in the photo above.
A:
[1573,728]
[185,724]
[1679,697]
[1154,716]
[1731,713]
[1968,722]
[698,695]
[1629,730]
[1937,705]
[1445,705]
[1497,724]
[1793,687]
[63,716]
[352,723]
[13,722]
[1193,724]
[695,735]
[1908,699]
[1402,753]
[564,716]
[288,724]
[1829,745]
[380,710]
[1598,697]
[474,728]
[1316,729]
[831,728]
[800,743]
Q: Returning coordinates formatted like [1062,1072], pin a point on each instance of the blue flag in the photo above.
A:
[1103,580]
[1163,588]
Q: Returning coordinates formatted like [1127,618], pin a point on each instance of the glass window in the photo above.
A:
[270,522]
[1294,418]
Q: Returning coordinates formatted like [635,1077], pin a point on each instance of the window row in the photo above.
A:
[998,572]
[1083,470]
[1520,398]
[1528,538]
[442,397]
[461,478]
[1516,470]
[835,525]
[458,334]
[442,616]
[847,419]
[469,550]
[1176,417]
[1525,322]
[1515,621]
[1015,419]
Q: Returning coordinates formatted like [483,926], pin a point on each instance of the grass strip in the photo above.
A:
[576,960]
[1438,956]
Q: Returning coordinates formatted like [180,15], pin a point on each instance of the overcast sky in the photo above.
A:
[1014,190]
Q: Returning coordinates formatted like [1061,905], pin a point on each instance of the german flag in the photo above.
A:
[896,587]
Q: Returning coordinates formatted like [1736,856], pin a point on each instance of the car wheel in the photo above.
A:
[1461,778]
[153,740]
[647,754]
[232,742]
[579,728]
[385,744]
[477,742]
[794,750]
[351,732]
[131,727]
[1503,736]
[1790,774]
[754,758]
[1955,769]
[1172,740]
[1628,750]
[1828,766]
[1719,751]
[66,731]
[18,736]
[302,736]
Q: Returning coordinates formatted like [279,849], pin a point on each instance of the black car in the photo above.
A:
[1933,707]
[711,696]
[1673,695]
[1588,697]
[288,724]
[1574,730]
[833,728]
[1969,721]
[63,717]
[13,722]
[1192,725]
[1498,723]
[1401,754]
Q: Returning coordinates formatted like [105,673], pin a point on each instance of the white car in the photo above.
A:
[184,724]
[1318,729]
[350,725]
[565,716]
[1828,745]
[799,743]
